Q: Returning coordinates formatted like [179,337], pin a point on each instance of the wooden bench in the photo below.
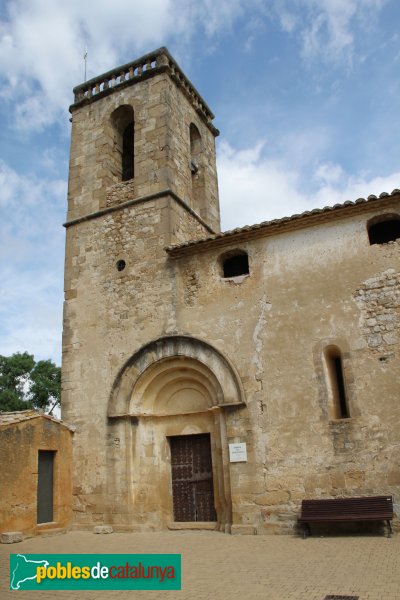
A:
[327,510]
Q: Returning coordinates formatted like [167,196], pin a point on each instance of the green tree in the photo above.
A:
[45,389]
[14,375]
[26,384]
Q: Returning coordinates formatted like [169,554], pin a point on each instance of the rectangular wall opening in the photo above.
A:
[45,488]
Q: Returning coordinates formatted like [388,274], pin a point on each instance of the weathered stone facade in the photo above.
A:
[160,342]
[23,436]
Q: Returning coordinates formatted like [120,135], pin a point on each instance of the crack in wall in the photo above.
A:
[258,334]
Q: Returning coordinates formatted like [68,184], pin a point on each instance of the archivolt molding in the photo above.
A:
[158,378]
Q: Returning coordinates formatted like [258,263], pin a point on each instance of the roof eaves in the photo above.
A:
[237,234]
[16,417]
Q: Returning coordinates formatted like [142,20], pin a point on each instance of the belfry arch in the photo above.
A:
[173,387]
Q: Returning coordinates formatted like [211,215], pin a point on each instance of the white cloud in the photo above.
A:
[328,28]
[31,264]
[34,112]
[42,43]
[31,313]
[288,20]
[215,16]
[255,189]
[329,173]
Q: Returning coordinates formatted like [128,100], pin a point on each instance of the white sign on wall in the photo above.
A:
[237,452]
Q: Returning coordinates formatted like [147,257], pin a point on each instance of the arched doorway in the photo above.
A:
[168,460]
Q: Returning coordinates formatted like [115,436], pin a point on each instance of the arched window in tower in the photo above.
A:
[127,153]
[384,229]
[195,149]
[197,171]
[338,401]
[122,120]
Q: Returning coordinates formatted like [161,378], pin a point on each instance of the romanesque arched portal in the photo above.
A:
[167,446]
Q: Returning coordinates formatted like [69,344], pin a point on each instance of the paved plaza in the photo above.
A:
[216,566]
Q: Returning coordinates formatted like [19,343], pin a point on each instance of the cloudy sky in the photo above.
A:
[305,92]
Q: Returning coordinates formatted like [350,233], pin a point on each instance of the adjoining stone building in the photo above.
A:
[35,474]
[216,379]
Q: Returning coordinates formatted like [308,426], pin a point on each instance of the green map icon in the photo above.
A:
[23,570]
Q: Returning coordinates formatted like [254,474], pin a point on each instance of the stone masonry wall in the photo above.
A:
[302,294]
[379,301]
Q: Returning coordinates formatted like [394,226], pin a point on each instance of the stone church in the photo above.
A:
[216,379]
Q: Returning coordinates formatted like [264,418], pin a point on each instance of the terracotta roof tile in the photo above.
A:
[177,249]
[18,416]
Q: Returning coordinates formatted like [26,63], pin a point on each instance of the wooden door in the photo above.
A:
[192,480]
[45,486]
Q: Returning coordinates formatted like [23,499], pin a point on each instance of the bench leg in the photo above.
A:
[389,527]
[306,530]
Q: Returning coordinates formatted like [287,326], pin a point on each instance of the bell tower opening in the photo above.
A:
[195,149]
[122,120]
[127,153]
[197,170]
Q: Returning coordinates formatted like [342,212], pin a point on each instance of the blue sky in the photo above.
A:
[305,93]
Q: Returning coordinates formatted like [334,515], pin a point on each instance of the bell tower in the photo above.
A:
[142,177]
[143,131]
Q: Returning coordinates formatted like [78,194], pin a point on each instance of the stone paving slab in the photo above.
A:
[216,566]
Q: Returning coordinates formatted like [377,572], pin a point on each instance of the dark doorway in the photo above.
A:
[45,486]
[192,480]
